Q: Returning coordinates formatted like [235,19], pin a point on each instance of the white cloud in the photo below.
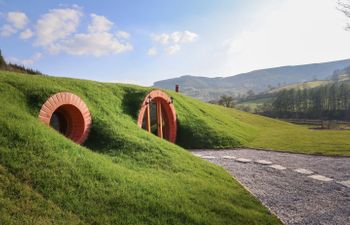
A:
[183,37]
[99,24]
[7,30]
[172,42]
[98,41]
[177,37]
[26,34]
[60,35]
[123,34]
[152,51]
[56,31]
[162,38]
[55,25]
[27,62]
[17,19]
[172,49]
[97,44]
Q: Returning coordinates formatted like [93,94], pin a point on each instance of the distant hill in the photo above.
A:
[339,76]
[302,85]
[206,89]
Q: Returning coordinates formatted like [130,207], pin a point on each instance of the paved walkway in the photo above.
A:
[299,189]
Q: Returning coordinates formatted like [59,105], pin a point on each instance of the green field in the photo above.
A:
[124,175]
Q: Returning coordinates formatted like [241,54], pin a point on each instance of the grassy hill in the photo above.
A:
[124,175]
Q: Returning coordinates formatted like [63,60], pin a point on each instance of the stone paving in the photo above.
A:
[299,189]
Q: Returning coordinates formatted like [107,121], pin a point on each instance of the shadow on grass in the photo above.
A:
[101,138]
[131,102]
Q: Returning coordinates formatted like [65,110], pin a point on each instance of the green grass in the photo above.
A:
[210,126]
[122,174]
[278,135]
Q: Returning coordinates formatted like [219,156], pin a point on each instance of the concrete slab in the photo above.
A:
[243,160]
[303,171]
[229,157]
[278,167]
[345,183]
[321,178]
[263,162]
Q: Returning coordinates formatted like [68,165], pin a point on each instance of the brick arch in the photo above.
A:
[168,112]
[67,107]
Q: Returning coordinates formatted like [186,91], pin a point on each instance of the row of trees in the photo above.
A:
[330,102]
[16,68]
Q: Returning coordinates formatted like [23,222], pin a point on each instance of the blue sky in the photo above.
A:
[145,41]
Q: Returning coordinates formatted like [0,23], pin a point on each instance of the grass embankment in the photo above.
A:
[210,126]
[122,174]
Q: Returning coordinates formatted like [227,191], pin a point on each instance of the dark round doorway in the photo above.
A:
[67,114]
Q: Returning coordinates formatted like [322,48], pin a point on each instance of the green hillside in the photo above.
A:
[124,175]
[342,78]
[302,86]
[257,100]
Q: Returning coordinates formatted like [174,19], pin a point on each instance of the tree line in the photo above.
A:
[16,68]
[329,102]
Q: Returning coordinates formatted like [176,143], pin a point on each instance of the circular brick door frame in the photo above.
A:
[75,112]
[169,112]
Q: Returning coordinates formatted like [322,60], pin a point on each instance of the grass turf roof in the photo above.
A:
[123,175]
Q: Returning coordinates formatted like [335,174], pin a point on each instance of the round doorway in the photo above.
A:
[158,116]
[67,114]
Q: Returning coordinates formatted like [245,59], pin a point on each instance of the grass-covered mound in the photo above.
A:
[122,174]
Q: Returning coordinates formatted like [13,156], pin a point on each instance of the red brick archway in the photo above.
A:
[165,115]
[67,114]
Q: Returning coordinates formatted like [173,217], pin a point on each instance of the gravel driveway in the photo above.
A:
[299,189]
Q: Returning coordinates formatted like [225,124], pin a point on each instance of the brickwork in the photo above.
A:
[168,110]
[75,112]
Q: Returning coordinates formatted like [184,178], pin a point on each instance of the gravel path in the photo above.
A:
[299,189]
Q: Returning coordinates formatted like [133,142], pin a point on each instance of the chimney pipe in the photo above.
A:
[177,87]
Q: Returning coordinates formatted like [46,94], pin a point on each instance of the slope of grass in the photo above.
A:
[122,174]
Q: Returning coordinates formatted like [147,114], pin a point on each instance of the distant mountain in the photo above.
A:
[206,89]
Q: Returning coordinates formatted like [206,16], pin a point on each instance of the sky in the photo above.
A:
[142,42]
